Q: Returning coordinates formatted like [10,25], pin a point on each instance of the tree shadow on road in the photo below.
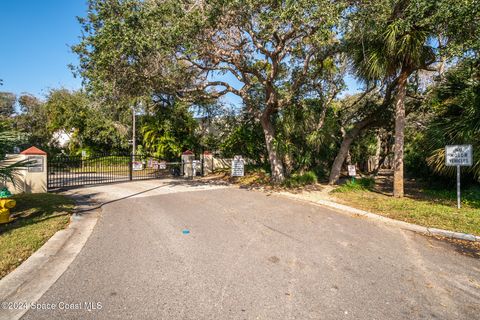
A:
[86,202]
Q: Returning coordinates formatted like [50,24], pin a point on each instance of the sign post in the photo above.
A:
[238,166]
[458,188]
[459,156]
[352,171]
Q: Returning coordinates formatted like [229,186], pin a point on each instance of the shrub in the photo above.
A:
[357,185]
[298,180]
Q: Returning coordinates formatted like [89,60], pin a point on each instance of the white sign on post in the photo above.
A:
[459,156]
[352,171]
[238,166]
[195,167]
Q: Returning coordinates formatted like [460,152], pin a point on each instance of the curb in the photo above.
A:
[28,282]
[402,224]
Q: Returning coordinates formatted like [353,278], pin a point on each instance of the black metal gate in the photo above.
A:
[75,171]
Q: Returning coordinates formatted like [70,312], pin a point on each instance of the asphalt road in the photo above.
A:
[250,255]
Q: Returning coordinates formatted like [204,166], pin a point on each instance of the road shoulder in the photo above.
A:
[398,223]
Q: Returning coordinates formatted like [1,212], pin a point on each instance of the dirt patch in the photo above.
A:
[467,248]
[274,259]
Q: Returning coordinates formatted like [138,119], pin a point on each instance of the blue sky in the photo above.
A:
[36,36]
[34,47]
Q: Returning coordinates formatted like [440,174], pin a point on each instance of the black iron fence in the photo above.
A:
[74,171]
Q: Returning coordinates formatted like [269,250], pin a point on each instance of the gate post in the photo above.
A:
[187,160]
[207,163]
[32,178]
[130,168]
[36,173]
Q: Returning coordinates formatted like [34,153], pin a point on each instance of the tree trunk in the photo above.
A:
[321,120]
[398,188]
[345,148]
[340,159]
[443,58]
[378,151]
[276,164]
[287,164]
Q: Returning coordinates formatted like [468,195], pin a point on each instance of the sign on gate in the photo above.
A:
[238,166]
[137,165]
[459,156]
[162,165]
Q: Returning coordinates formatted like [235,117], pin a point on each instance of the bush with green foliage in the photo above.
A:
[300,180]
[246,139]
[307,136]
[356,185]
[455,106]
[169,131]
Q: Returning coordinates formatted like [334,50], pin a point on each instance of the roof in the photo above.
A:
[33,151]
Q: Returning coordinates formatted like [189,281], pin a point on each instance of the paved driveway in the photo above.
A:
[250,255]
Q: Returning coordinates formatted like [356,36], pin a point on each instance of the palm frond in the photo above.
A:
[10,171]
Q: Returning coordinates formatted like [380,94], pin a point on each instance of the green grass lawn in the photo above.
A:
[426,207]
[37,218]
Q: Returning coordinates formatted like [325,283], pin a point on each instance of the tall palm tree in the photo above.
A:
[388,43]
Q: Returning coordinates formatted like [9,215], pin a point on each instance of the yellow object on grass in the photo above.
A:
[5,206]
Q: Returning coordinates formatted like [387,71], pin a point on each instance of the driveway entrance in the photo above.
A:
[251,255]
